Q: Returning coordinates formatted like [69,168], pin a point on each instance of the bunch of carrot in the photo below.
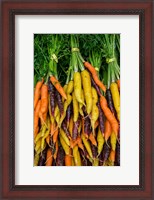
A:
[77,124]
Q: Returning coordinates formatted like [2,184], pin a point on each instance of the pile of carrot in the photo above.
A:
[78,123]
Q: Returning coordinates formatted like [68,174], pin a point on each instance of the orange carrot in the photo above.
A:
[79,142]
[55,135]
[48,139]
[44,98]
[110,117]
[68,159]
[118,83]
[49,158]
[58,86]
[36,118]
[108,130]
[112,156]
[73,143]
[94,75]
[92,139]
[37,92]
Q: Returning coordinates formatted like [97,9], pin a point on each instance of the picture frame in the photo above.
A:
[12,8]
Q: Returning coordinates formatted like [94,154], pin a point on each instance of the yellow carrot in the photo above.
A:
[116,98]
[78,87]
[75,108]
[76,155]
[100,141]
[86,81]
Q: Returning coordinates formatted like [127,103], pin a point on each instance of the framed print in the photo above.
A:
[76,88]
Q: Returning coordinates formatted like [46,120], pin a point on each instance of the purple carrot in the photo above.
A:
[59,102]
[68,114]
[60,157]
[52,145]
[43,158]
[117,159]
[95,86]
[101,119]
[94,150]
[110,101]
[100,157]
[64,127]
[106,150]
[87,125]
[51,89]
[75,129]
[83,158]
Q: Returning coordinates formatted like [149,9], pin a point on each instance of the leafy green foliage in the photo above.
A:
[45,46]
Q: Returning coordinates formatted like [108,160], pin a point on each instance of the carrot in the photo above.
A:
[53,128]
[87,145]
[68,114]
[44,137]
[52,101]
[75,129]
[95,86]
[108,130]
[70,127]
[76,155]
[94,150]
[113,140]
[94,95]
[100,142]
[81,105]
[64,127]
[101,118]
[49,158]
[60,157]
[78,87]
[118,83]
[59,102]
[118,154]
[112,157]
[75,108]
[95,109]
[86,82]
[36,159]
[68,159]
[79,142]
[116,98]
[36,118]
[109,115]
[106,153]
[94,75]
[41,133]
[96,162]
[38,145]
[42,158]
[48,139]
[56,150]
[55,135]
[37,92]
[110,101]
[70,87]
[94,116]
[92,139]
[64,145]
[66,104]
[62,133]
[44,98]
[58,86]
